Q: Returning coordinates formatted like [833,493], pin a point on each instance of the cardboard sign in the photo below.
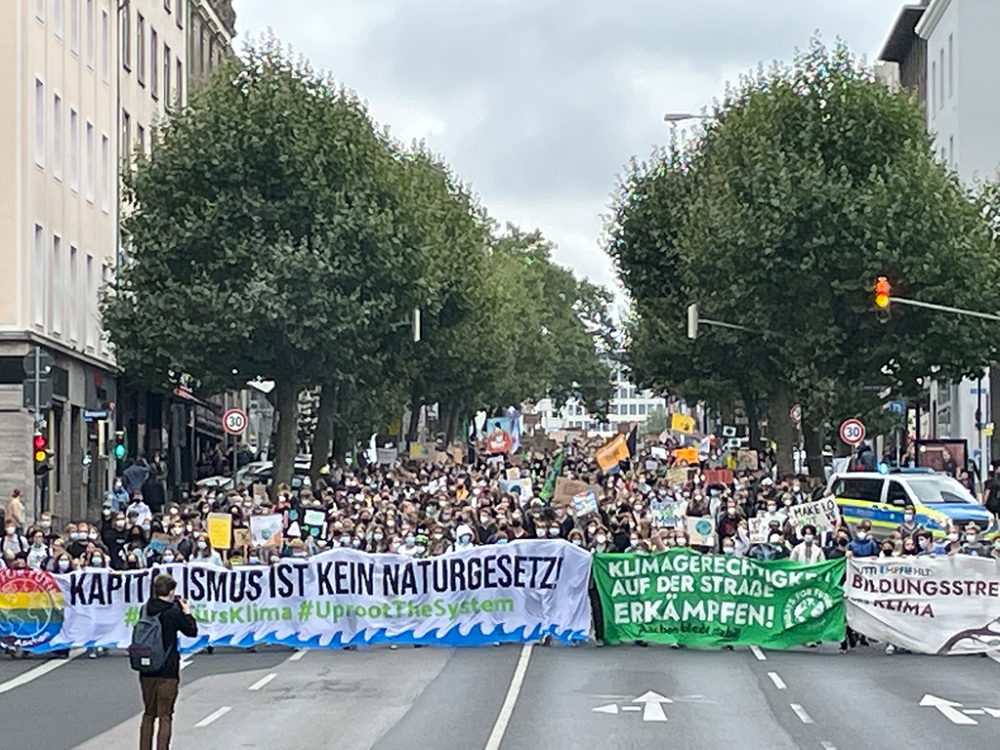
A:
[718,476]
[757,528]
[681,423]
[667,516]
[420,452]
[266,530]
[678,476]
[513,473]
[612,453]
[314,518]
[566,489]
[259,494]
[241,538]
[457,454]
[651,464]
[160,542]
[658,452]
[519,488]
[700,531]
[686,455]
[747,459]
[220,530]
[823,514]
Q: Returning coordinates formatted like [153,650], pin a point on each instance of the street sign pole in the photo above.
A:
[38,385]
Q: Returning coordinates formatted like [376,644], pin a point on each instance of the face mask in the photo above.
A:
[554,531]
[953,537]
[484,520]
[633,541]
[540,533]
[591,530]
[38,544]
[46,525]
[10,530]
[729,550]
[97,561]
[410,541]
[862,535]
[772,508]
[202,545]
[377,537]
[145,527]
[970,537]
[808,538]
[356,543]
[438,535]
[253,560]
[119,525]
[842,541]
[168,558]
[907,517]
[189,528]
[92,535]
[464,539]
[64,565]
[601,538]
[909,549]
[788,503]
[502,540]
[76,536]
[577,542]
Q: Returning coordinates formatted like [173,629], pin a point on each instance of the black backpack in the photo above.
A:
[146,653]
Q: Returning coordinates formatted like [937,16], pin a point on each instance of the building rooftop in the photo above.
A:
[903,33]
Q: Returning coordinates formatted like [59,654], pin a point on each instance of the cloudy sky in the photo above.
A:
[539,103]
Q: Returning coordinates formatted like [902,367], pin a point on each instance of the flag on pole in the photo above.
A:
[550,484]
[612,453]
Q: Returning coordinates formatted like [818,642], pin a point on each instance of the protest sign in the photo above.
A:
[823,514]
[159,542]
[513,473]
[747,459]
[458,454]
[566,489]
[651,464]
[700,531]
[612,453]
[241,538]
[658,452]
[718,476]
[259,494]
[387,456]
[678,476]
[420,451]
[585,503]
[667,516]
[930,605]
[758,530]
[266,530]
[687,456]
[220,530]
[519,488]
[313,523]
[681,423]
[512,593]
[710,600]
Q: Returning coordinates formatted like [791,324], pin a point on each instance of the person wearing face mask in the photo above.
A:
[38,552]
[838,547]
[909,527]
[863,545]
[63,563]
[409,547]
[808,550]
[463,539]
[951,544]
[13,542]
[119,496]
[729,547]
[204,552]
[972,545]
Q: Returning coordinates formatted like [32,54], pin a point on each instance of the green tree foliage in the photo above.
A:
[811,181]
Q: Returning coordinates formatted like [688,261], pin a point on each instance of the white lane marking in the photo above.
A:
[973,711]
[631,708]
[42,669]
[297,655]
[801,713]
[507,709]
[758,653]
[776,679]
[828,746]
[263,681]
[213,716]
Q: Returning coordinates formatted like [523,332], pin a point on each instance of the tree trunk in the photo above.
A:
[324,430]
[453,422]
[415,409]
[813,439]
[286,404]
[781,430]
[752,409]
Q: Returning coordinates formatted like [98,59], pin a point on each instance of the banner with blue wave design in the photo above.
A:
[516,592]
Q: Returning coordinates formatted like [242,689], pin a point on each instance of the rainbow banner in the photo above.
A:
[31,607]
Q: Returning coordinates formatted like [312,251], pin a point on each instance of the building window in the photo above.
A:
[74,26]
[105,173]
[38,278]
[126,145]
[933,89]
[140,137]
[179,87]
[57,136]
[74,294]
[40,9]
[57,286]
[105,45]
[179,15]
[74,150]
[57,17]
[166,76]
[39,123]
[140,49]
[633,410]
[951,66]
[88,322]
[106,278]
[89,21]
[642,410]
[154,68]
[951,150]
[89,163]
[166,5]
[941,85]
[125,20]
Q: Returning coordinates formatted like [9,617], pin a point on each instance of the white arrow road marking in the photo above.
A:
[652,706]
[611,708]
[213,716]
[973,711]
[631,708]
[994,712]
[949,709]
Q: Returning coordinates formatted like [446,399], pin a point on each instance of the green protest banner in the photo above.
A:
[691,599]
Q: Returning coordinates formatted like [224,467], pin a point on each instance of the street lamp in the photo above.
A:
[681,116]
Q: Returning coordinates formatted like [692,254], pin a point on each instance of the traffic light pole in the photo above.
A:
[38,386]
[944,308]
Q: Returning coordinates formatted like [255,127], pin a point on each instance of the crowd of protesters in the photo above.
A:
[421,509]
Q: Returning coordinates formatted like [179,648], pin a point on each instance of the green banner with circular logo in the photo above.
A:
[691,599]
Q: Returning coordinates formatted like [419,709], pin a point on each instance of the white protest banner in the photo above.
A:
[387,456]
[667,516]
[585,503]
[931,605]
[758,530]
[517,592]
[700,531]
[823,514]
[266,529]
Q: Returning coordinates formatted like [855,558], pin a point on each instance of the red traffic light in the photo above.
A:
[41,442]
[882,292]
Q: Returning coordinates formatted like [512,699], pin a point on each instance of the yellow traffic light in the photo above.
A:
[882,293]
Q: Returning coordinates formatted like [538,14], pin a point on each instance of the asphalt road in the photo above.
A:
[513,698]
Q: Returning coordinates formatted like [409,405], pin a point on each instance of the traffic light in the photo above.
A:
[40,451]
[882,293]
[120,450]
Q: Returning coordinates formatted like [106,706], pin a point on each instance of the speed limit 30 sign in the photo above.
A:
[852,431]
[235,421]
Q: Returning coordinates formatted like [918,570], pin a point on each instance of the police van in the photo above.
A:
[938,501]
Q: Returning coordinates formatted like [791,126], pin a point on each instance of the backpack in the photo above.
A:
[146,653]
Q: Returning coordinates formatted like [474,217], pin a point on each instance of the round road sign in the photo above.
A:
[235,421]
[852,431]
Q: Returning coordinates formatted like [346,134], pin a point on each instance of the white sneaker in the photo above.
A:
[890,649]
